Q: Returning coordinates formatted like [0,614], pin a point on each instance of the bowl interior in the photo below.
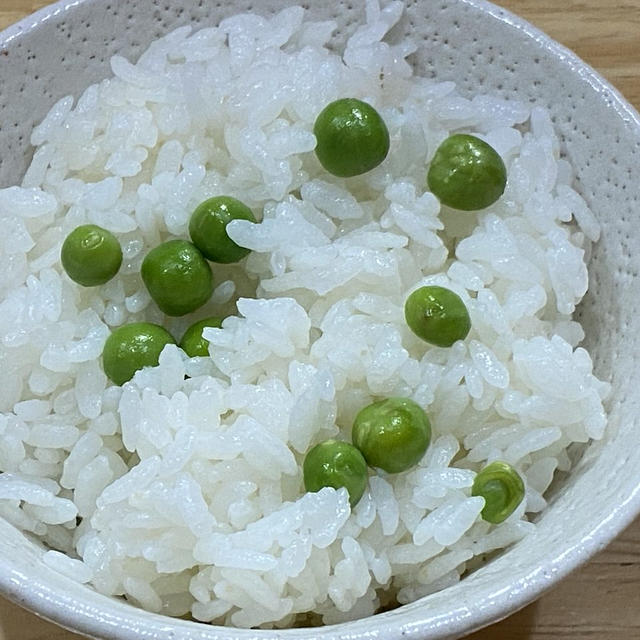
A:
[66,47]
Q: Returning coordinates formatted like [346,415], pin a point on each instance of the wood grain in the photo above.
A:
[602,600]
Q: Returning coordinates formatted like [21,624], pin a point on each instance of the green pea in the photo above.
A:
[192,343]
[335,464]
[351,136]
[132,347]
[437,315]
[208,228]
[177,277]
[91,255]
[502,489]
[392,434]
[466,173]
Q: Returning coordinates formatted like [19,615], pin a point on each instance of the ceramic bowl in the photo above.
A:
[66,46]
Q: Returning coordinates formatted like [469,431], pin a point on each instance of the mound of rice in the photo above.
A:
[182,491]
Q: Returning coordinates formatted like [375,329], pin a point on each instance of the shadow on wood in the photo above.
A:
[519,626]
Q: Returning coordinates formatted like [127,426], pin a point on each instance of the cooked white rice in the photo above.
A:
[184,494]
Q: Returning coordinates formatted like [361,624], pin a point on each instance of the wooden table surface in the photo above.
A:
[602,600]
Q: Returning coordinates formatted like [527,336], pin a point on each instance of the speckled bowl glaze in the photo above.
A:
[65,47]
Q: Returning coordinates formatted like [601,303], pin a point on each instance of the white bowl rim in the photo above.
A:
[30,591]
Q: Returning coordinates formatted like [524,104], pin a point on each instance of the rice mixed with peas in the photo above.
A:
[182,490]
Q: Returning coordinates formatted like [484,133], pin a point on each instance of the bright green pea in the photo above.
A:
[177,277]
[351,136]
[132,347]
[91,255]
[466,173]
[335,464]
[502,489]
[192,343]
[208,228]
[392,434]
[437,315]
